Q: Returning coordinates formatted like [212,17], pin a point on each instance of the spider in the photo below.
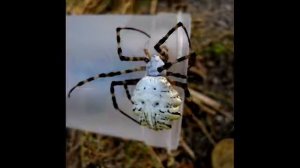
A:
[154,101]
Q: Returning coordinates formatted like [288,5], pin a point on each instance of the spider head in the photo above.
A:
[154,63]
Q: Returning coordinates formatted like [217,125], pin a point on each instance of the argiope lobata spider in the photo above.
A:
[155,102]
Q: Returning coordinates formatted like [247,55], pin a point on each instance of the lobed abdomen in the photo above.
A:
[156,102]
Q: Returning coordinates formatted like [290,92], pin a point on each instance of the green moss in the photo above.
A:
[217,49]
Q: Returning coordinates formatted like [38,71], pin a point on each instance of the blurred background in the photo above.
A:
[208,124]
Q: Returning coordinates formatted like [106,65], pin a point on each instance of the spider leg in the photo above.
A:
[112,91]
[164,39]
[169,64]
[184,86]
[188,98]
[178,75]
[126,58]
[103,75]
[164,47]
[164,53]
[127,92]
[194,106]
[147,53]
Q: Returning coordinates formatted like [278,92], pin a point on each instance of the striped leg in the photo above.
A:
[147,53]
[188,98]
[127,92]
[184,86]
[195,108]
[103,75]
[112,91]
[164,39]
[164,53]
[126,58]
[169,64]
[178,75]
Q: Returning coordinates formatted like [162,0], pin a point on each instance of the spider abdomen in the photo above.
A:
[156,102]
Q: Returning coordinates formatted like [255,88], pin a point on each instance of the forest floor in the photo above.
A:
[207,126]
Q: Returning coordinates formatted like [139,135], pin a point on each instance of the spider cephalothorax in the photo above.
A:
[155,101]
[154,63]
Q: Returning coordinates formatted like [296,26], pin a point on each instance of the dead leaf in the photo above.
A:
[222,155]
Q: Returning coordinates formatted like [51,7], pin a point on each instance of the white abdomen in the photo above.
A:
[156,102]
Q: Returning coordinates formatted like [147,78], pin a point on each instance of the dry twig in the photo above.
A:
[187,148]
